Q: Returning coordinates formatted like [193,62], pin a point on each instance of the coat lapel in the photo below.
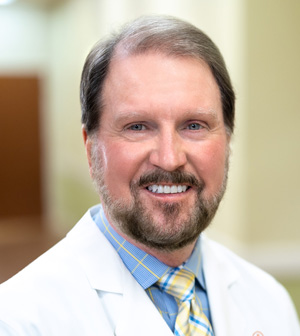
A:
[98,259]
[221,279]
[139,315]
[132,310]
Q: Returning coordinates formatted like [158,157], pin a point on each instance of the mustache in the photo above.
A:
[175,177]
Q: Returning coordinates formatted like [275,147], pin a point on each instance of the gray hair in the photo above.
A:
[162,34]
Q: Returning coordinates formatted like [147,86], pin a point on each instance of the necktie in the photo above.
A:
[190,321]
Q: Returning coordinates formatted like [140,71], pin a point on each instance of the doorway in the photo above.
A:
[20,159]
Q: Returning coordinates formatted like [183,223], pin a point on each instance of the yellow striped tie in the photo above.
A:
[190,321]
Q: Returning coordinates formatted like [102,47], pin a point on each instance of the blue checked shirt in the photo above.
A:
[147,269]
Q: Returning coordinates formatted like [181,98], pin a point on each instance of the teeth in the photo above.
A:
[173,190]
[160,189]
[167,189]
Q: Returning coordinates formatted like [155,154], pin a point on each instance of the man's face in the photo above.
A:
[160,155]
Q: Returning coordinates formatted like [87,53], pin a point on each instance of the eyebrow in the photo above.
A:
[127,115]
[209,112]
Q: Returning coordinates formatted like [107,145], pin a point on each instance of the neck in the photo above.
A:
[173,258]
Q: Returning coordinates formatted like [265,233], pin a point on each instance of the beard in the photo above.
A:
[173,230]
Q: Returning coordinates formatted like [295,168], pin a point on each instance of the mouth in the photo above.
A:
[167,189]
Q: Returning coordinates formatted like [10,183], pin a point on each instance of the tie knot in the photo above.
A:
[179,283]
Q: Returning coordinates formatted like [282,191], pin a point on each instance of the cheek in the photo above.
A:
[213,164]
[122,166]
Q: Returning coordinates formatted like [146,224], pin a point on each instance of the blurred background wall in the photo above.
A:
[259,217]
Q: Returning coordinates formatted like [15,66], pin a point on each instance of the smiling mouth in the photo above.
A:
[167,189]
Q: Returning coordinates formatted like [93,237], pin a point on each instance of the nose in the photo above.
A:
[168,153]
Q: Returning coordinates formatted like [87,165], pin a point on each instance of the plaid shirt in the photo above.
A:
[147,269]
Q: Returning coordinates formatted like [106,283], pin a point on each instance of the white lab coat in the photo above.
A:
[81,287]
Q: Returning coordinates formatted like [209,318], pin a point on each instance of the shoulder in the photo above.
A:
[58,261]
[57,265]
[257,295]
[57,285]
[235,267]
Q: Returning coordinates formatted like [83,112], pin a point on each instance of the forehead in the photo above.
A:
[138,61]
[150,81]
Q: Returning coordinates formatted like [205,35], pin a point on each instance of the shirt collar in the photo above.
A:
[195,265]
[145,268]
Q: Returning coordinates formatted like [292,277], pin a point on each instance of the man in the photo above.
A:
[157,114]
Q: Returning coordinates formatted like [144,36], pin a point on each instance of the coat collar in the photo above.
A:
[95,254]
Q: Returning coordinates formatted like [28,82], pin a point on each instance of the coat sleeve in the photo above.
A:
[290,315]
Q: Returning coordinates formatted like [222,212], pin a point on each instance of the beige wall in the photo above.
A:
[72,32]
[273,137]
[273,142]
[272,151]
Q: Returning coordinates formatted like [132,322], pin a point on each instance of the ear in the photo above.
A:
[88,147]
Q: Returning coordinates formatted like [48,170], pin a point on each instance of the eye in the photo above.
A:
[194,126]
[137,127]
